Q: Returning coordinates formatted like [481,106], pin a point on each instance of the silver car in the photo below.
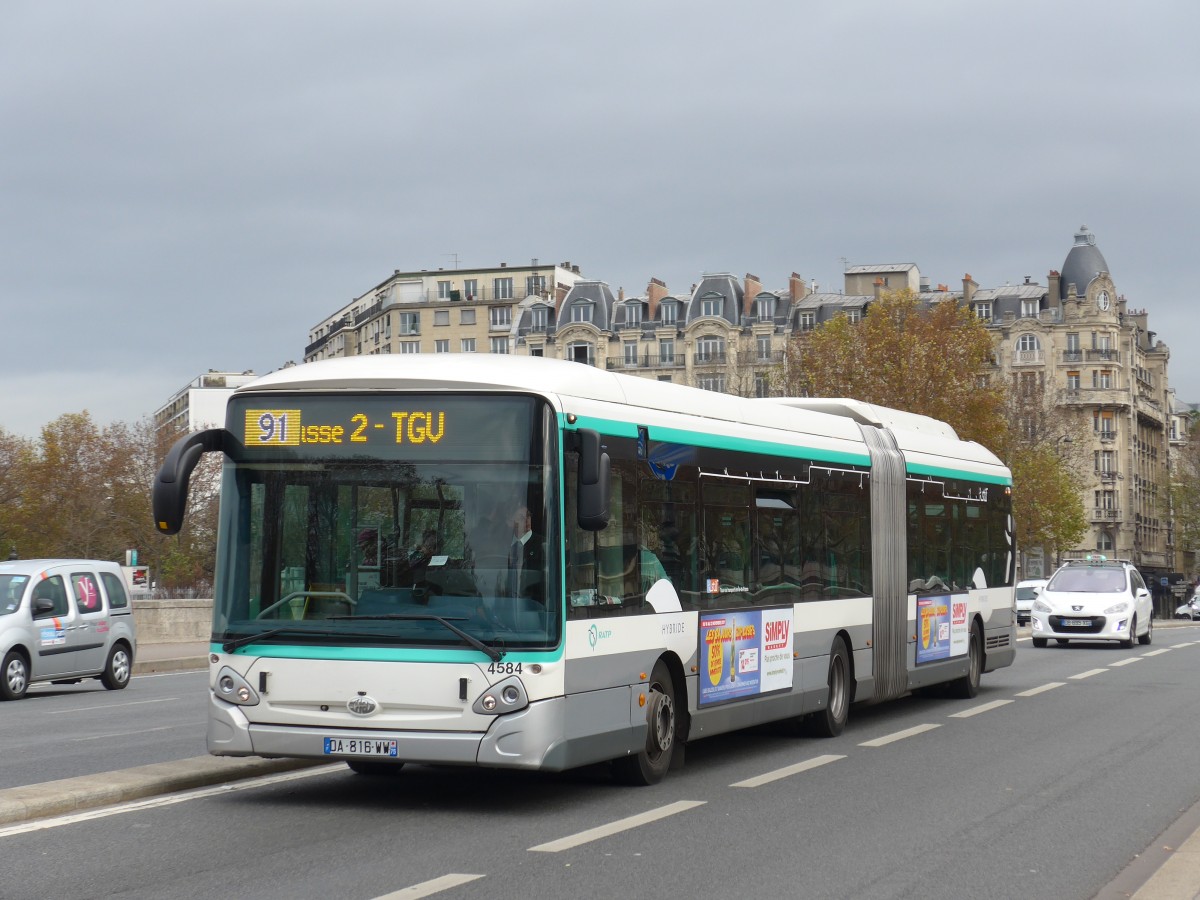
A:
[64,620]
[1094,599]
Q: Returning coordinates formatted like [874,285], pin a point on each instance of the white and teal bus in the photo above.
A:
[527,563]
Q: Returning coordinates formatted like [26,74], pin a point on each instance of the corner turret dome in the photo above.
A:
[1084,262]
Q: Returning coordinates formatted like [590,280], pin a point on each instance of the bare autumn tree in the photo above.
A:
[906,355]
[1185,491]
[1043,448]
[186,561]
[79,490]
[14,451]
[929,359]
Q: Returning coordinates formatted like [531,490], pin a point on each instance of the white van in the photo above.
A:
[64,620]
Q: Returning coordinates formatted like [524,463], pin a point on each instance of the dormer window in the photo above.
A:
[633,314]
[766,309]
[711,306]
[983,311]
[582,312]
[670,312]
[1029,309]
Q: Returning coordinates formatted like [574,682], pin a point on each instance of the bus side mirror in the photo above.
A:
[592,487]
[168,497]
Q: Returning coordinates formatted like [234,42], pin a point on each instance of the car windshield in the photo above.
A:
[11,589]
[1089,580]
[1026,593]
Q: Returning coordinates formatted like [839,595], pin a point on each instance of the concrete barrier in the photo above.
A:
[172,621]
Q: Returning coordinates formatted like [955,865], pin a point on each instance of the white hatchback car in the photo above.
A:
[1094,599]
[1027,592]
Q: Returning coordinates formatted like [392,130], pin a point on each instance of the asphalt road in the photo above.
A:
[1064,770]
[62,731]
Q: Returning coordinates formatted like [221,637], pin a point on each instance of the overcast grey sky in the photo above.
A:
[190,186]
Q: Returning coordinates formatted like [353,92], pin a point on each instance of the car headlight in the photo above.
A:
[1041,606]
[1117,608]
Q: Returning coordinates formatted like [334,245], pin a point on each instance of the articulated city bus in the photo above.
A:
[528,563]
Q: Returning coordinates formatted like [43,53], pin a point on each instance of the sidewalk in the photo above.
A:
[175,656]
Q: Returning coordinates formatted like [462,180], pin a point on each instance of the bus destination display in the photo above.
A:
[286,428]
[409,427]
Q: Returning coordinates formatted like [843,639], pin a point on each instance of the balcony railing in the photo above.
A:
[1103,514]
[708,358]
[1028,357]
[749,357]
[646,361]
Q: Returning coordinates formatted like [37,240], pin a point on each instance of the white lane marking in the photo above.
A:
[1039,690]
[603,831]
[982,708]
[1088,674]
[1124,662]
[93,737]
[1158,652]
[429,888]
[899,735]
[59,712]
[166,800]
[1177,646]
[768,777]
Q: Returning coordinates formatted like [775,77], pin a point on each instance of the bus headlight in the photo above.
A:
[233,688]
[502,697]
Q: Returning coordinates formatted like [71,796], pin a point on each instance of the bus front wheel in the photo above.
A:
[651,762]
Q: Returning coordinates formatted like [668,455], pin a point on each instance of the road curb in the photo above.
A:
[178,664]
[56,798]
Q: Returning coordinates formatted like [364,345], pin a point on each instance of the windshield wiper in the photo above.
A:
[232,644]
[493,653]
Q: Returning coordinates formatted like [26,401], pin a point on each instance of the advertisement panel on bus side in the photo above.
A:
[942,625]
[744,653]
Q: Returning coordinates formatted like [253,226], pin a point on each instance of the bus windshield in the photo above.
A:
[436,534]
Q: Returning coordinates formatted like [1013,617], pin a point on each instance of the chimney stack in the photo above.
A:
[655,291]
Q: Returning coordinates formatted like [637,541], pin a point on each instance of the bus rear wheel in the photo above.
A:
[831,721]
[650,764]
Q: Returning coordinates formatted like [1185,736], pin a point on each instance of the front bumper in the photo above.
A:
[551,735]
[1081,627]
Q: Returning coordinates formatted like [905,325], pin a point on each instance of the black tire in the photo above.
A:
[649,764]
[1146,638]
[374,768]
[1039,642]
[1132,639]
[968,686]
[118,668]
[831,721]
[14,676]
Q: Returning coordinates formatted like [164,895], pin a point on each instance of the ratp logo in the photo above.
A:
[595,635]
